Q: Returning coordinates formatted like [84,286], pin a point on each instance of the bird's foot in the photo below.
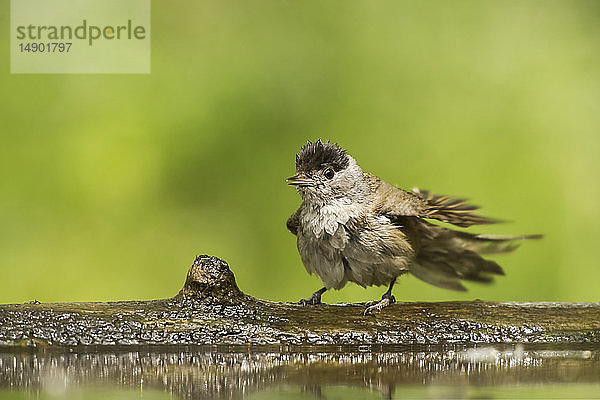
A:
[379,305]
[314,300]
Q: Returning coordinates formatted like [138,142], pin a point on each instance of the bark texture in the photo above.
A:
[211,310]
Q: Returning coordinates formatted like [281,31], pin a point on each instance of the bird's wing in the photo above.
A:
[393,201]
[293,222]
[446,256]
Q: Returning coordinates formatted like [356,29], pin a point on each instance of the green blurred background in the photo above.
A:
[111,184]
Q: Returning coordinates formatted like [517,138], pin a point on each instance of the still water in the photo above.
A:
[365,372]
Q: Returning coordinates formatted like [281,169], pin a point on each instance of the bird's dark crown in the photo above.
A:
[315,155]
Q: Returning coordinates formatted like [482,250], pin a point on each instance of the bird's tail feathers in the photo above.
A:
[489,244]
[446,256]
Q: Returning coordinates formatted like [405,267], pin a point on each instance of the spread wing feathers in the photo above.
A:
[393,201]
[444,257]
[454,211]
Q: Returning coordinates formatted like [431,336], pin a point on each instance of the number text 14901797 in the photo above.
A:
[50,47]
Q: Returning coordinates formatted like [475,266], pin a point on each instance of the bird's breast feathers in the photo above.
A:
[322,219]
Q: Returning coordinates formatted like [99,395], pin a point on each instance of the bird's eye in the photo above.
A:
[328,173]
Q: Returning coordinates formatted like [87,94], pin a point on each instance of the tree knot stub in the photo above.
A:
[210,278]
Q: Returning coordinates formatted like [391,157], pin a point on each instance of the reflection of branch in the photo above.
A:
[205,373]
[210,309]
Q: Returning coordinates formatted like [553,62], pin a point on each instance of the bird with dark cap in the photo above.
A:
[354,227]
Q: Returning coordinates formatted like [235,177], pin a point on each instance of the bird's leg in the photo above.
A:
[385,301]
[314,299]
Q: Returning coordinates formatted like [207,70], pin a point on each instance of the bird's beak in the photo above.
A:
[300,180]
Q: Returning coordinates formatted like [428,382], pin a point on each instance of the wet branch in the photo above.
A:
[211,310]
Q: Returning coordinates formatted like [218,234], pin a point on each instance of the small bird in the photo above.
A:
[354,227]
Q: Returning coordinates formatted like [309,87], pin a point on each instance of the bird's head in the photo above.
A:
[324,171]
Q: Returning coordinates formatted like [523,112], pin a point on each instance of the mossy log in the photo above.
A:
[211,310]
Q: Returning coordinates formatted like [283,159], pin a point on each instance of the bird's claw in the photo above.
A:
[312,301]
[379,305]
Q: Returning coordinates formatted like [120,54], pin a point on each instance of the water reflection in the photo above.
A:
[233,373]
